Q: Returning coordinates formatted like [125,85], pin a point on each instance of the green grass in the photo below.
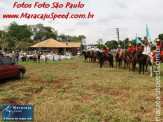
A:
[76,91]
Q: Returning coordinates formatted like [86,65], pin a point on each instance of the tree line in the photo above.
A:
[21,37]
[113,44]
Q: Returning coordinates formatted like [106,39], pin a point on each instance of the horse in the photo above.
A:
[92,56]
[128,59]
[134,59]
[118,59]
[124,59]
[141,60]
[86,55]
[105,57]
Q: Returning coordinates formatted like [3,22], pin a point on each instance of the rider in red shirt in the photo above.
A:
[134,48]
[139,46]
[119,49]
[106,50]
[129,48]
[159,44]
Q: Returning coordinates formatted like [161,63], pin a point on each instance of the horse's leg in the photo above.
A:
[139,68]
[151,71]
[143,68]
[151,68]
[146,67]
[101,62]
[129,66]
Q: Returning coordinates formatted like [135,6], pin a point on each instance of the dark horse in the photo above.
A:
[141,60]
[86,55]
[105,57]
[118,59]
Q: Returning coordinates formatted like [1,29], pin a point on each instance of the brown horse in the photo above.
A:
[86,55]
[124,59]
[128,59]
[141,60]
[134,60]
[118,59]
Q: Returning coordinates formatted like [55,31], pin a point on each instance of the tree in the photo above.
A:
[3,43]
[100,43]
[19,32]
[112,44]
[41,33]
[82,39]
[160,36]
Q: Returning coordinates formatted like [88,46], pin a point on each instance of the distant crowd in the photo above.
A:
[36,56]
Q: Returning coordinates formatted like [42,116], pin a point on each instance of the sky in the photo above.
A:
[130,16]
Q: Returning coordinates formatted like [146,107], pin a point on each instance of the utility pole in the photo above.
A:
[117,29]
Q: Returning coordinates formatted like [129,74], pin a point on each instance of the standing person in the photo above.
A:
[17,57]
[34,57]
[1,55]
[78,56]
[46,59]
[39,57]
[13,56]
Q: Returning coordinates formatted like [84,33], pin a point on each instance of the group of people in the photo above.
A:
[36,56]
[147,47]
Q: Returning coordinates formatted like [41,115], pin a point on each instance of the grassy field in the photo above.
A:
[76,91]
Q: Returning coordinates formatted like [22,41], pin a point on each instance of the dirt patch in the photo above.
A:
[14,87]
[58,86]
[77,78]
[11,102]
[74,67]
[55,81]
[85,99]
[113,93]
[32,90]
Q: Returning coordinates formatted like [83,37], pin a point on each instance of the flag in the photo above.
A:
[138,41]
[148,35]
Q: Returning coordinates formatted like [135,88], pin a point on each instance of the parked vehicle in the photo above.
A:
[9,69]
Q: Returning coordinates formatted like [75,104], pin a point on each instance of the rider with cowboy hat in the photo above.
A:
[129,49]
[119,49]
[106,50]
[147,48]
[158,44]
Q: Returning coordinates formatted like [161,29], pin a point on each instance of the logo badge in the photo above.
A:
[17,112]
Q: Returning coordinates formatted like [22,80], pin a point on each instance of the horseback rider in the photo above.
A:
[159,44]
[119,50]
[134,48]
[139,46]
[129,49]
[147,49]
[105,51]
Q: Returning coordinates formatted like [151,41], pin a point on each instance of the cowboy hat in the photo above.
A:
[157,40]
[129,45]
[146,42]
